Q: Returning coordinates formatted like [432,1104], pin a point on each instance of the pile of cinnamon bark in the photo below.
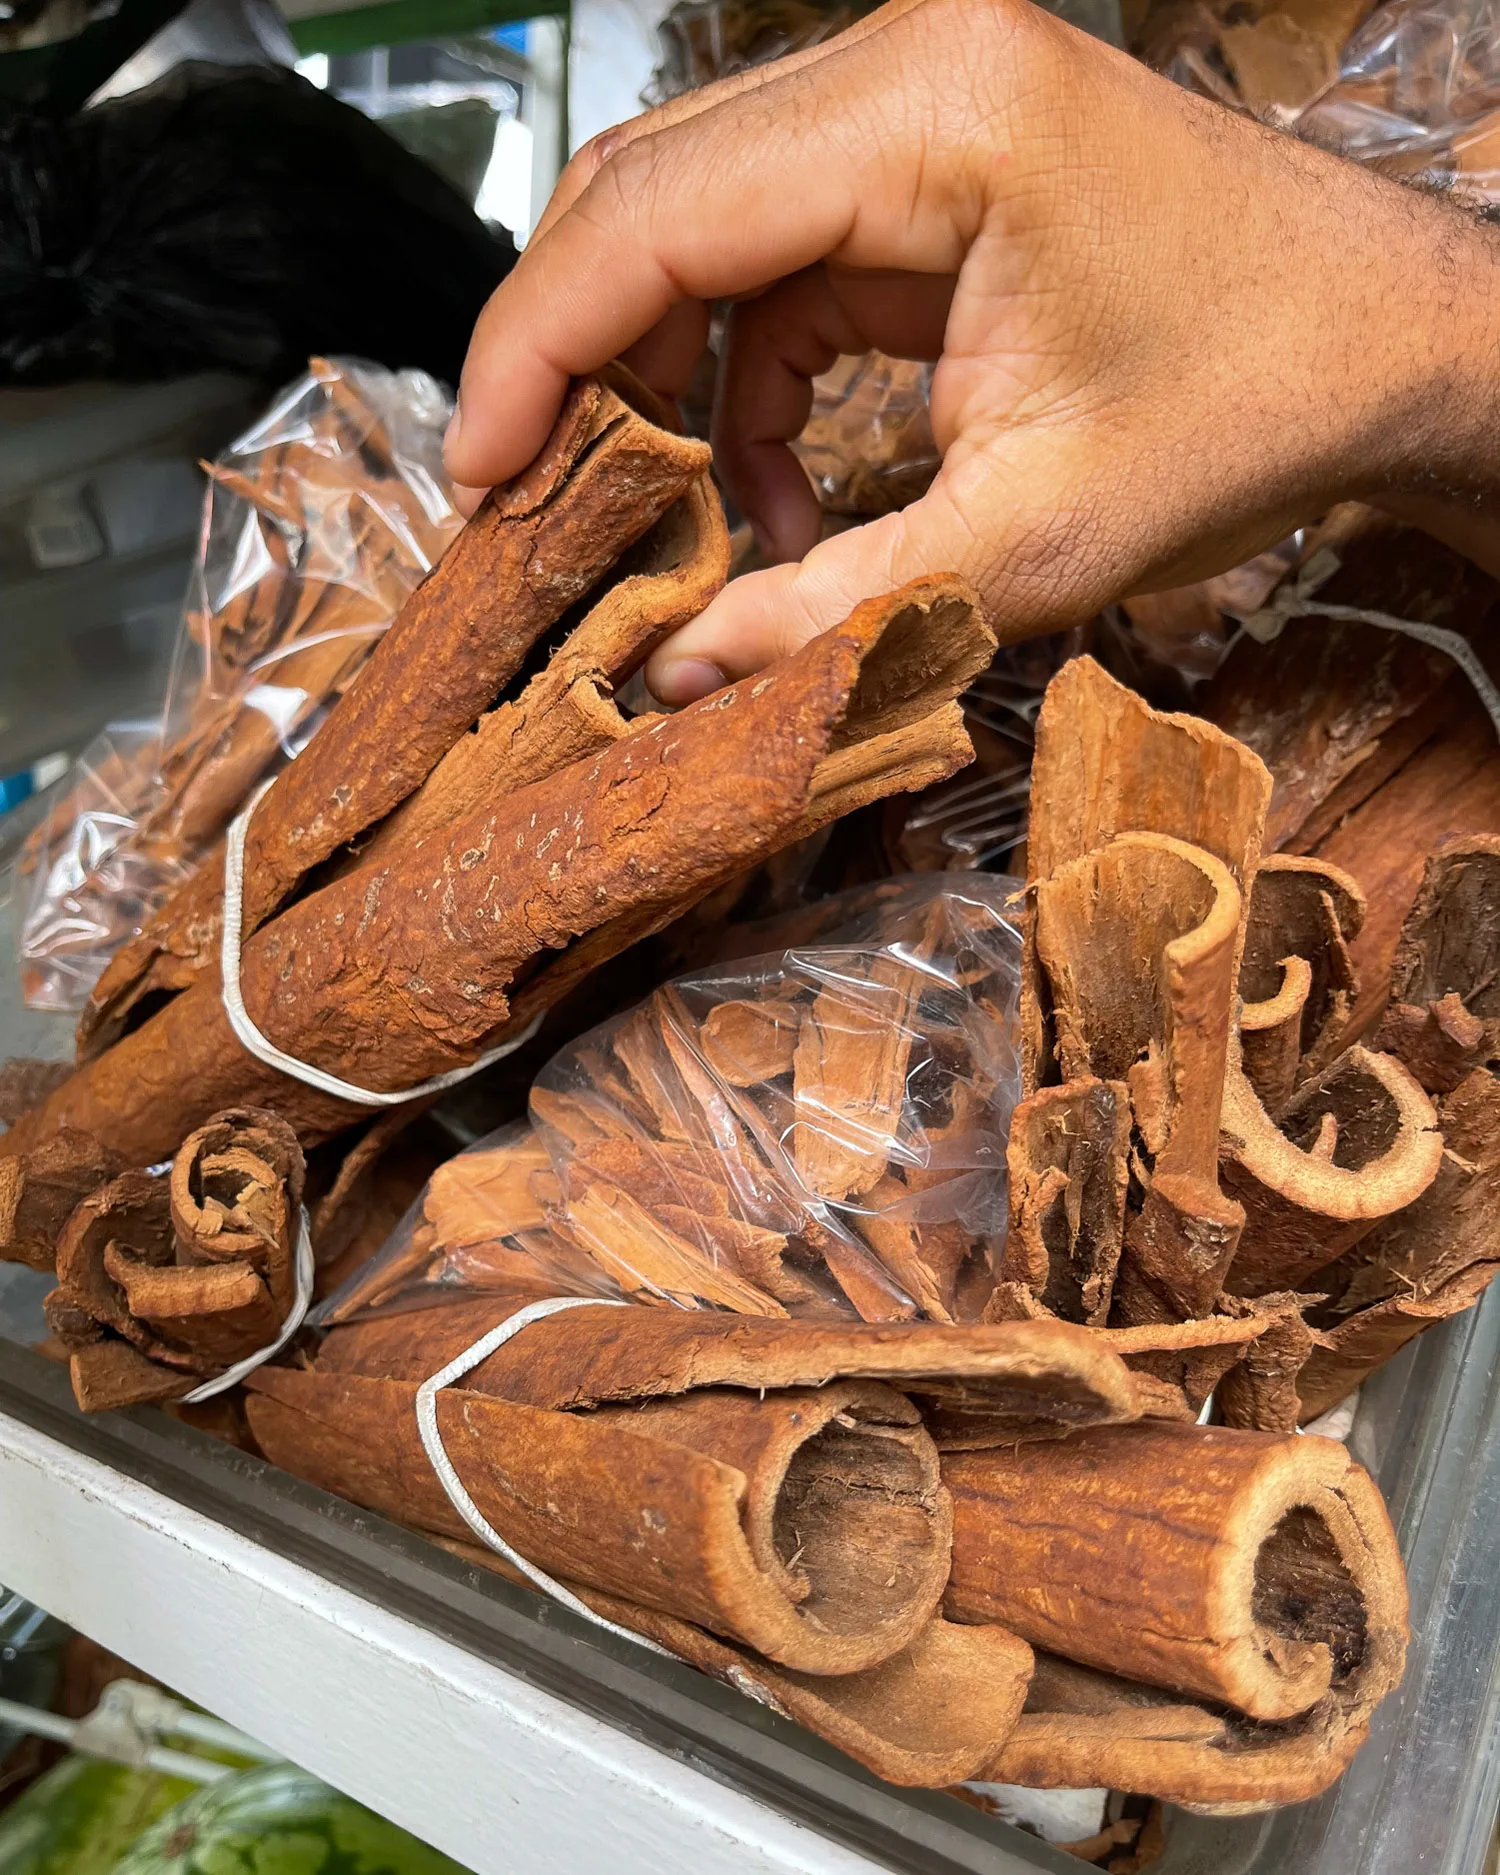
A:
[940,1492]
[474,830]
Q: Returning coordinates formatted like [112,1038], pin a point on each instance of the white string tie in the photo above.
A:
[1296,601]
[232,1376]
[250,1037]
[448,1478]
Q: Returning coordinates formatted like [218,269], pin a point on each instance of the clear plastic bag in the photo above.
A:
[704,40]
[819,1133]
[318,522]
[1418,95]
[868,444]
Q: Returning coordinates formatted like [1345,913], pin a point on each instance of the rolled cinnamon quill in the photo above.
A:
[602,478]
[997,1383]
[405,969]
[1253,1570]
[809,1526]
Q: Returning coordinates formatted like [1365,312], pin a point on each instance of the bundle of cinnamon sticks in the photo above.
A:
[406,913]
[319,522]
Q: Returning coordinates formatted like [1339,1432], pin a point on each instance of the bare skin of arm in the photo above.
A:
[1165,335]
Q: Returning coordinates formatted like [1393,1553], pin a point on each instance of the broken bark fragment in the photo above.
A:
[39,1189]
[1359,1143]
[748,1042]
[1297,978]
[810,1527]
[1444,1017]
[1260,1392]
[1432,1260]
[1069,1168]
[1257,1571]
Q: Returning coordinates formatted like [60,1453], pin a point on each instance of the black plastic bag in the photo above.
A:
[234,220]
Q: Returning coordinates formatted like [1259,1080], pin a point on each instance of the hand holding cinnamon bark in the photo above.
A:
[1166,335]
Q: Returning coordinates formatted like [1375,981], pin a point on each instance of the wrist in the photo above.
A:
[1431,450]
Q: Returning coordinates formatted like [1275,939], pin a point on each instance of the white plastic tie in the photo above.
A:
[448,1478]
[301,1302]
[250,1037]
[1296,601]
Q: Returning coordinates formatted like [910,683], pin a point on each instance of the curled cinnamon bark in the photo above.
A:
[811,1527]
[189,1272]
[1297,978]
[605,474]
[991,1383]
[1444,1015]
[403,970]
[928,1717]
[39,1188]
[1253,1570]
[1359,1143]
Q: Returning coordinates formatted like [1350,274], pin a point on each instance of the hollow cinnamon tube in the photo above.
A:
[811,1527]
[1249,1568]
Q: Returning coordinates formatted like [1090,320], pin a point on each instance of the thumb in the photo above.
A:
[765,616]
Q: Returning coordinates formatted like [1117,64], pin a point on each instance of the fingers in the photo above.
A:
[695,213]
[774,346]
[764,616]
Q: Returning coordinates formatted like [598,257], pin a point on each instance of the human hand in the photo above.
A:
[1165,335]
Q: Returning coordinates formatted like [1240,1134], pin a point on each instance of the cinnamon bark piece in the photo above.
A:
[112,1374]
[1260,1393]
[1068,1165]
[1297,977]
[849,1075]
[236,1184]
[215,1312]
[132,1211]
[1451,785]
[1080,1728]
[1253,1570]
[39,1189]
[482,1195]
[602,478]
[1444,1017]
[1137,943]
[1432,1260]
[1190,1358]
[25,1083]
[1108,764]
[1359,1143]
[999,1382]
[648,1260]
[400,971]
[707,1532]
[1331,705]
[927,1717]
[567,713]
[925,1259]
[748,1042]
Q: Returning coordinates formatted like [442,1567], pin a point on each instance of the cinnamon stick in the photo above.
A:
[39,1189]
[1253,1570]
[399,971]
[810,1527]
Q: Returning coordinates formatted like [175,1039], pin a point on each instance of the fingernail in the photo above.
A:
[685,680]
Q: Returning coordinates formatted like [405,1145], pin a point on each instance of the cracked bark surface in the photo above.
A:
[811,1527]
[602,478]
[405,969]
[1253,1570]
